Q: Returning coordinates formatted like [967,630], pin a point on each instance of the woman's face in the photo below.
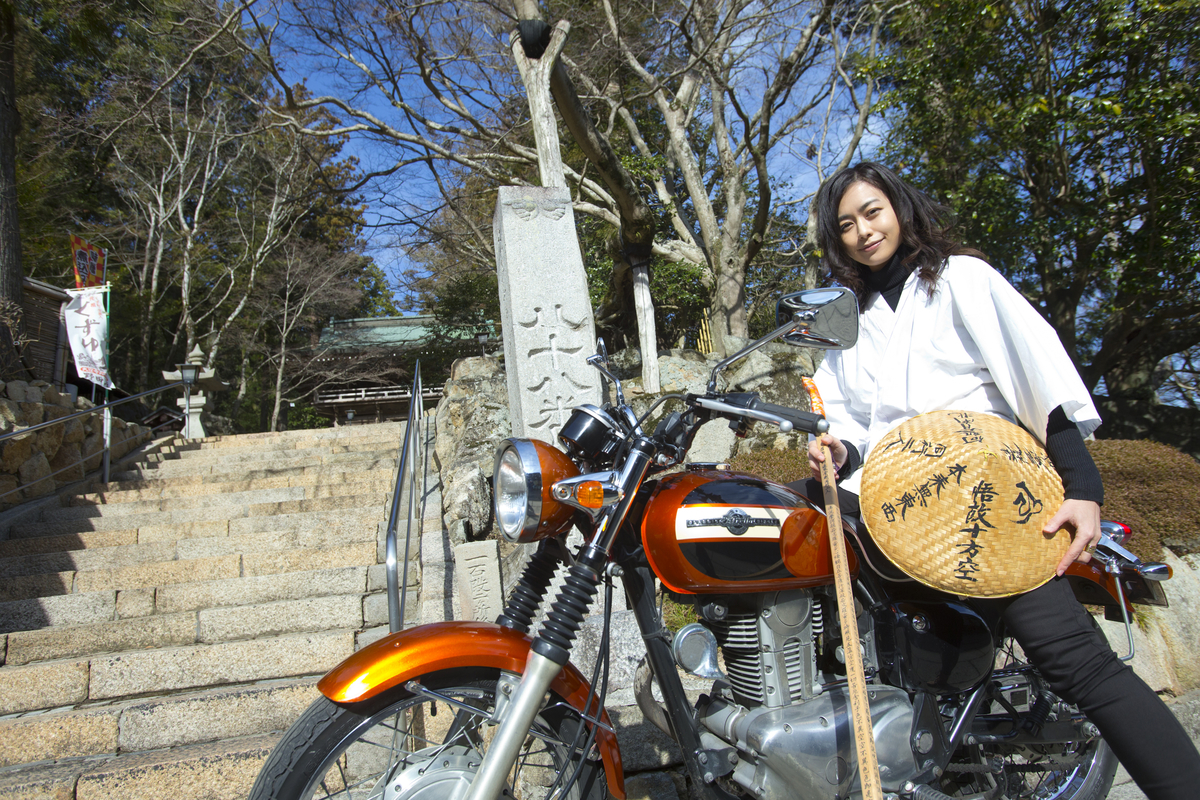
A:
[869,229]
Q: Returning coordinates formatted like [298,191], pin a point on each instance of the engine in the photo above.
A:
[781,700]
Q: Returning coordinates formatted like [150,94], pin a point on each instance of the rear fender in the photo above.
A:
[409,654]
[1093,584]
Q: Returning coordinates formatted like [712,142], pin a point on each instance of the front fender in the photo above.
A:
[409,654]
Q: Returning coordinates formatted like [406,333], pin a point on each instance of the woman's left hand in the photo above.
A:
[1082,519]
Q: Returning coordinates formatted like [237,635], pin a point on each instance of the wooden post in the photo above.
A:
[856,679]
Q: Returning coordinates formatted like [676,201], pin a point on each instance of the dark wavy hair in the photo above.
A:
[926,239]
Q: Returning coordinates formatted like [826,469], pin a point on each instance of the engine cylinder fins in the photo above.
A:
[762,672]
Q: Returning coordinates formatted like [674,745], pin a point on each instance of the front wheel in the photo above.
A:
[1081,770]
[425,741]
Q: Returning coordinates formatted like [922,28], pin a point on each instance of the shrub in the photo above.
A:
[1155,490]
[782,466]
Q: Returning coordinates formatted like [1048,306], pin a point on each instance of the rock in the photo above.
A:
[16,391]
[73,432]
[34,476]
[10,413]
[92,447]
[677,375]
[16,451]
[69,458]
[33,413]
[50,396]
[472,416]
[49,439]
[1179,623]
[467,494]
[471,419]
[8,486]
[626,364]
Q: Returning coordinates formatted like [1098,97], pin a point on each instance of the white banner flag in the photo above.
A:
[87,330]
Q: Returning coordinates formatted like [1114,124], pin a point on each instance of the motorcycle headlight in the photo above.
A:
[525,471]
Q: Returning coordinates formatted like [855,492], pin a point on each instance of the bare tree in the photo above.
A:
[308,285]
[691,120]
[216,188]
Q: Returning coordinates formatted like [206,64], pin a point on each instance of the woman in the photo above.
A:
[941,329]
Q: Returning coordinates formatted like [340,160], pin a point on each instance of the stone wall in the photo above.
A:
[28,460]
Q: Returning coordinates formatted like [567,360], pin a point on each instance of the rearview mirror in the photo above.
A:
[824,318]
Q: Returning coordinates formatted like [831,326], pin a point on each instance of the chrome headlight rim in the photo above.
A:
[531,474]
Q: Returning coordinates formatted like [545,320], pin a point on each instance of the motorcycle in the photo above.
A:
[478,710]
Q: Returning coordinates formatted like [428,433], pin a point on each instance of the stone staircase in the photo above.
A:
[159,633]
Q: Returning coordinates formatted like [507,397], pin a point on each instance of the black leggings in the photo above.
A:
[1060,638]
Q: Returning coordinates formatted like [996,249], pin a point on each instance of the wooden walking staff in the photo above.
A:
[860,710]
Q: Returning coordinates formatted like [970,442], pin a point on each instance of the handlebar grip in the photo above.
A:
[802,420]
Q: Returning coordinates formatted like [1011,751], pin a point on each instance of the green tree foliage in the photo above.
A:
[150,129]
[1067,139]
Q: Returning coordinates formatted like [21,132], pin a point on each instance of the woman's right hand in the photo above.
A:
[836,449]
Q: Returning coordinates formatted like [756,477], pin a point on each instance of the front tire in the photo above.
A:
[403,745]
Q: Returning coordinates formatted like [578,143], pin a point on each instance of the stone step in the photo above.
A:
[206,626]
[151,724]
[269,455]
[316,483]
[384,430]
[232,499]
[260,589]
[210,665]
[63,609]
[45,585]
[77,560]
[360,461]
[249,518]
[162,528]
[164,670]
[130,503]
[63,543]
[217,771]
[151,474]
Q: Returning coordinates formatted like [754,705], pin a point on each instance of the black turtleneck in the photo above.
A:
[1080,477]
[888,281]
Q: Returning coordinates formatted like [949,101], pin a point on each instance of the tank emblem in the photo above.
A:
[698,523]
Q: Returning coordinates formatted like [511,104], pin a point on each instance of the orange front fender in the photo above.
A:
[409,654]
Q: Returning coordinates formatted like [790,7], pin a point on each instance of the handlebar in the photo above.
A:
[748,405]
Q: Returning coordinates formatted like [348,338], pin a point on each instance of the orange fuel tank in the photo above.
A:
[715,531]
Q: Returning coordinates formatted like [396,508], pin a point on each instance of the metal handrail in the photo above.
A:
[105,407]
[412,465]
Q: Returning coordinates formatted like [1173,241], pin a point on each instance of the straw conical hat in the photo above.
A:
[958,500]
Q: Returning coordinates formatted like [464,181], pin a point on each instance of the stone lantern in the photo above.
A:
[197,383]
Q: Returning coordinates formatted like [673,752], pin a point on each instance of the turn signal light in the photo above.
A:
[590,494]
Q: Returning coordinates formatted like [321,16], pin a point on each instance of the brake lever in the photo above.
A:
[785,425]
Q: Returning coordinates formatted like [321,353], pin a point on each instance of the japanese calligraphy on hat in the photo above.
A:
[958,500]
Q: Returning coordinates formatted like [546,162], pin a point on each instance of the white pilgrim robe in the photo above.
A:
[976,345]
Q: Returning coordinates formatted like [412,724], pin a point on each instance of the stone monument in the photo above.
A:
[544,310]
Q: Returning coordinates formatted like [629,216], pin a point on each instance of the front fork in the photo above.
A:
[549,653]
